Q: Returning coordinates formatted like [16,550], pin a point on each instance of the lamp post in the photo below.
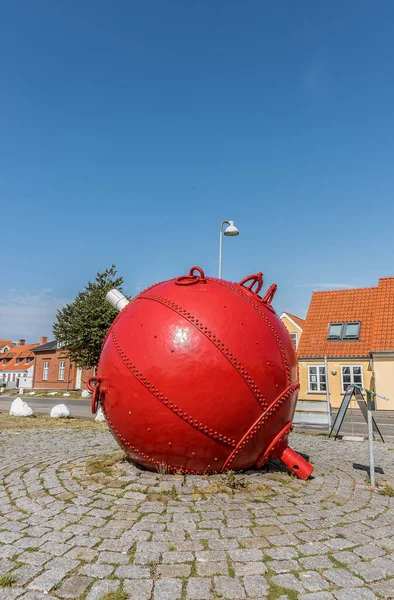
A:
[230,230]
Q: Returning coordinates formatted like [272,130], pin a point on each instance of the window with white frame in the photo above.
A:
[351,375]
[28,360]
[46,371]
[62,365]
[294,339]
[317,378]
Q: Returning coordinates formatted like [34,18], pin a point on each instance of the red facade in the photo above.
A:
[53,370]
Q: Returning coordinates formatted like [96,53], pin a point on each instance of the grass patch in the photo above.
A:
[276,591]
[163,496]
[231,570]
[336,562]
[45,422]
[119,595]
[103,465]
[7,580]
[267,558]
[387,490]
[132,552]
[235,482]
[230,483]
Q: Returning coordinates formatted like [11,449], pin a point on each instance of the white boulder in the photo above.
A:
[20,409]
[31,393]
[99,416]
[52,393]
[66,394]
[60,411]
[85,394]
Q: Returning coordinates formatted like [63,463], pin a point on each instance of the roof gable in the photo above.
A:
[373,307]
[17,352]
[4,343]
[383,334]
[297,321]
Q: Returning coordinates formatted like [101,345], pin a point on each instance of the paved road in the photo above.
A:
[354,423]
[78,408]
[68,532]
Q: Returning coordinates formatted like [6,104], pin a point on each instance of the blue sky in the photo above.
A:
[130,130]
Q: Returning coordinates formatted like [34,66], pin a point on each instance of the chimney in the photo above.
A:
[43,340]
[21,342]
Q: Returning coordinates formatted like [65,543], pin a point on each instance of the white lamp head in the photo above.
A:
[231,229]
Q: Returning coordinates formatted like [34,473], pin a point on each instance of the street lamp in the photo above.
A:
[230,230]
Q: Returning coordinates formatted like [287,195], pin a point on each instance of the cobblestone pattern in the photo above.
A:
[65,533]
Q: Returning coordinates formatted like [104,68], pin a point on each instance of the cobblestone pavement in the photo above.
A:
[69,532]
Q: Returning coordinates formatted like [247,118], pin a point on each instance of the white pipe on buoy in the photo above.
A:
[117,299]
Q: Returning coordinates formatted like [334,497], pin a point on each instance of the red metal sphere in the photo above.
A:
[200,375]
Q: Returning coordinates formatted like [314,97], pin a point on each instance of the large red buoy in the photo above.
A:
[199,375]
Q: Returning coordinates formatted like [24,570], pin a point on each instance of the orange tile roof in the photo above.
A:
[297,320]
[17,352]
[373,307]
[5,343]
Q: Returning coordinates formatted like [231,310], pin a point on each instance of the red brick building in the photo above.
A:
[54,370]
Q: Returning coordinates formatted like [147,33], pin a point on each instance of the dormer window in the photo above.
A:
[349,330]
[4,361]
[18,360]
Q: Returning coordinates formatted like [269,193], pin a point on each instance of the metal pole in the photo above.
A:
[220,247]
[327,393]
[370,440]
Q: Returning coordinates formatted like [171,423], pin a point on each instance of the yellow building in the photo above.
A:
[347,338]
[294,326]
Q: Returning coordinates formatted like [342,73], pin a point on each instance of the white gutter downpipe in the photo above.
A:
[117,299]
[328,393]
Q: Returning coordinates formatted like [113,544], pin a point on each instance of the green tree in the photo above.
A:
[81,325]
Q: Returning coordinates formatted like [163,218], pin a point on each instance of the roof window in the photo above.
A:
[335,331]
[350,330]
